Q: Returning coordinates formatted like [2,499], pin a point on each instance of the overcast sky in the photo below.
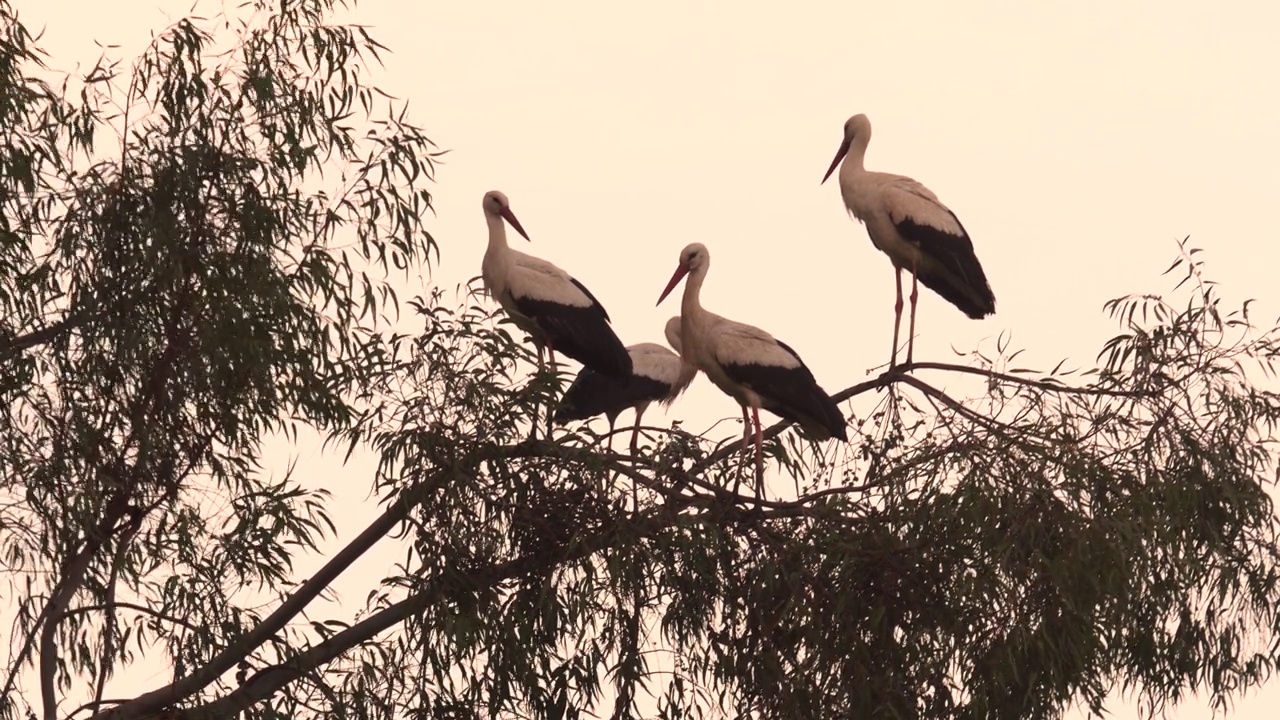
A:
[1076,141]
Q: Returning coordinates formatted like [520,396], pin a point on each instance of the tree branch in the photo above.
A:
[267,682]
[1029,382]
[109,629]
[117,605]
[44,334]
[1005,430]
[149,703]
[61,596]
[270,680]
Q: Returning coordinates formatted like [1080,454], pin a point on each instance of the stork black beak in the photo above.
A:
[681,271]
[844,148]
[511,218]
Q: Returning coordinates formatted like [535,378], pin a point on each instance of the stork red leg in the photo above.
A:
[755,415]
[897,315]
[911,329]
[746,429]
[551,353]
[635,433]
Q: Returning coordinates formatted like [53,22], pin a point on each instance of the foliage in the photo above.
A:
[170,308]
[170,303]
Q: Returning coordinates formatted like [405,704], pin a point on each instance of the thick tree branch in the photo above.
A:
[72,321]
[109,627]
[43,335]
[66,588]
[271,680]
[149,703]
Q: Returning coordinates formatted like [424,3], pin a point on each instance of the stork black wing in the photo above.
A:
[791,393]
[954,272]
[593,394]
[582,333]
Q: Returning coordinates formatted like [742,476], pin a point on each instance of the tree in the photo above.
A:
[173,299]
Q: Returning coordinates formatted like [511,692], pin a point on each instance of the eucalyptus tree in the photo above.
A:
[196,254]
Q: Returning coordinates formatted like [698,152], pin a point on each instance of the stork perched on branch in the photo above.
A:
[557,311]
[657,375]
[749,364]
[909,224]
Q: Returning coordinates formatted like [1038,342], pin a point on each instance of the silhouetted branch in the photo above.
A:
[1027,382]
[271,680]
[66,588]
[109,629]
[151,702]
[117,605]
[1005,430]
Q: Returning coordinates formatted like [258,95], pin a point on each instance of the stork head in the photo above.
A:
[693,258]
[857,127]
[496,205]
[672,331]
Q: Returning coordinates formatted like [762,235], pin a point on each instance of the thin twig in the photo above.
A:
[1040,384]
[117,605]
[1007,431]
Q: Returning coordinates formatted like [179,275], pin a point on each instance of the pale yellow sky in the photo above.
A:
[1076,141]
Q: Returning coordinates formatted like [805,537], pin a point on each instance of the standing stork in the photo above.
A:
[557,311]
[908,223]
[657,375]
[749,364]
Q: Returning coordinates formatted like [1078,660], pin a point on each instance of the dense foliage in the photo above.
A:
[195,257]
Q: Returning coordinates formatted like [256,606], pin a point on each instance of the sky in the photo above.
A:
[1076,141]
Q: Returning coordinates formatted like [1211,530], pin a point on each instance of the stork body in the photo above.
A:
[749,364]
[557,311]
[907,222]
[657,375]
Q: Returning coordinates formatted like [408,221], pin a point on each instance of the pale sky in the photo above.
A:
[1076,141]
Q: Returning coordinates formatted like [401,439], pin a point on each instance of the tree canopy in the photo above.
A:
[198,253]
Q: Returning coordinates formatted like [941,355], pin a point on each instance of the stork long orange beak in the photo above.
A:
[511,218]
[844,149]
[681,271]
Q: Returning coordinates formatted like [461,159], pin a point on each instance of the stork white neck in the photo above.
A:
[497,231]
[691,303]
[853,160]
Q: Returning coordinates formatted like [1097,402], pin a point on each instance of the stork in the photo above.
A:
[557,311]
[657,375]
[749,364]
[907,222]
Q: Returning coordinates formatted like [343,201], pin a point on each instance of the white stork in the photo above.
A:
[749,364]
[657,375]
[908,223]
[557,311]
